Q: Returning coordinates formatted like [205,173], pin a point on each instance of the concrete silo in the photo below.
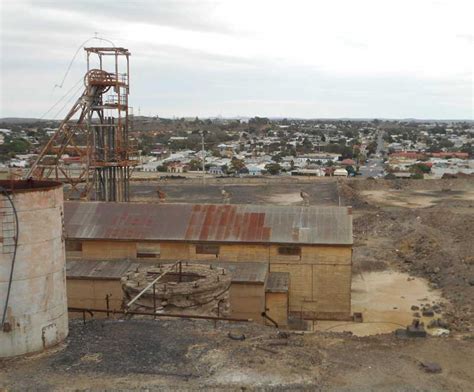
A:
[33,302]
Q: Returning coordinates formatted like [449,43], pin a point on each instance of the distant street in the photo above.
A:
[374,166]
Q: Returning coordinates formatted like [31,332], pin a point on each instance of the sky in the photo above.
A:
[307,59]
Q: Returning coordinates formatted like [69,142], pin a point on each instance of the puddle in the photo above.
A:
[385,300]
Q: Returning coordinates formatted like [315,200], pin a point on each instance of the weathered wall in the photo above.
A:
[277,308]
[37,309]
[175,251]
[90,293]
[320,277]
[108,250]
[247,301]
[318,291]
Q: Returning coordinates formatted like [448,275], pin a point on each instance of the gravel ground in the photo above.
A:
[193,355]
[434,242]
[322,192]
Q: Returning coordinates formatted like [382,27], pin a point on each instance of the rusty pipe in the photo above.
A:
[265,315]
[113,311]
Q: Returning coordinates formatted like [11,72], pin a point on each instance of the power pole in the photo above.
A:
[203,156]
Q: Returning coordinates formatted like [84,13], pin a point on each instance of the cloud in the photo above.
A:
[304,58]
[185,15]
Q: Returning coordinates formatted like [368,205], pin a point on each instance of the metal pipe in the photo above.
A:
[192,316]
[107,304]
[265,315]
[154,299]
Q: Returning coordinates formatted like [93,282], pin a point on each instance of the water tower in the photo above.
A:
[33,301]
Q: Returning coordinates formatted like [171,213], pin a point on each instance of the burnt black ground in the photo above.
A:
[193,355]
[151,348]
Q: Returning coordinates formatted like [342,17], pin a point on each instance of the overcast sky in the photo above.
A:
[332,58]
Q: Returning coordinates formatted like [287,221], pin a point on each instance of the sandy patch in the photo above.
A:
[414,199]
[385,299]
[286,199]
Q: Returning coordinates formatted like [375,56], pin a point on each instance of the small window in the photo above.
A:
[148,251]
[289,251]
[73,246]
[207,249]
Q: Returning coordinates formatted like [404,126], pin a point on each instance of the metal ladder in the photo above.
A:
[9,229]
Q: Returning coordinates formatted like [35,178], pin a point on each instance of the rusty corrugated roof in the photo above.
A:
[209,223]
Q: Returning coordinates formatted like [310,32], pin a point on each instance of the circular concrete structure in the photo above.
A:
[199,289]
[36,314]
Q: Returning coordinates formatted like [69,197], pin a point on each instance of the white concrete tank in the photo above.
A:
[36,314]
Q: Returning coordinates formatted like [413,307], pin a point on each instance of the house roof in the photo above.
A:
[348,162]
[98,269]
[249,272]
[208,223]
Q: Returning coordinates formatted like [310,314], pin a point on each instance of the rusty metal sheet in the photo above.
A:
[209,223]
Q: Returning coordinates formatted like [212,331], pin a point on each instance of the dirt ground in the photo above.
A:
[285,191]
[385,299]
[194,355]
[413,246]
[432,238]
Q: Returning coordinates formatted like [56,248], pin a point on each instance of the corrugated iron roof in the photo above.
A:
[278,282]
[209,223]
[245,272]
[114,269]
[95,269]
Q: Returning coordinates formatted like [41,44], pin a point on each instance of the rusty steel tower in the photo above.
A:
[91,151]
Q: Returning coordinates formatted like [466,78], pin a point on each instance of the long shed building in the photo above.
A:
[311,245]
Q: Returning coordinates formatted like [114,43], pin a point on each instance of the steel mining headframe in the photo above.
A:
[91,151]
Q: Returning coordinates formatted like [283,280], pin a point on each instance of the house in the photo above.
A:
[216,171]
[402,175]
[308,172]
[340,172]
[254,170]
[323,158]
[312,245]
[347,162]
[177,167]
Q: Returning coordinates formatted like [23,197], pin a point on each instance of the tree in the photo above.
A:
[351,171]
[273,168]
[236,164]
[420,168]
[195,164]
[372,147]
[277,157]
[417,176]
[469,148]
[11,147]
